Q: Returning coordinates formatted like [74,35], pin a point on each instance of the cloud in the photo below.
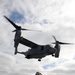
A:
[6,63]
[50,17]
[66,68]
[49,65]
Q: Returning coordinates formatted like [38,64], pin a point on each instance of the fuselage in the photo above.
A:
[40,52]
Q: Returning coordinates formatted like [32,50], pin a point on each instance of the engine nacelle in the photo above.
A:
[57,53]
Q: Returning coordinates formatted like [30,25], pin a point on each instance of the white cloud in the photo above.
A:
[53,17]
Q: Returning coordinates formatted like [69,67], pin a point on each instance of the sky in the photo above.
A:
[51,17]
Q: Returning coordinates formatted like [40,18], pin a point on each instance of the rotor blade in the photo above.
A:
[58,42]
[54,38]
[21,29]
[53,43]
[29,29]
[25,29]
[65,43]
[12,22]
[14,31]
[62,43]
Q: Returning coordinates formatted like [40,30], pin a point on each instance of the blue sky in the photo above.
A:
[49,65]
[17,17]
[52,17]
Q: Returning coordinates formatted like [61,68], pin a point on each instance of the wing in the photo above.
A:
[11,22]
[28,43]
